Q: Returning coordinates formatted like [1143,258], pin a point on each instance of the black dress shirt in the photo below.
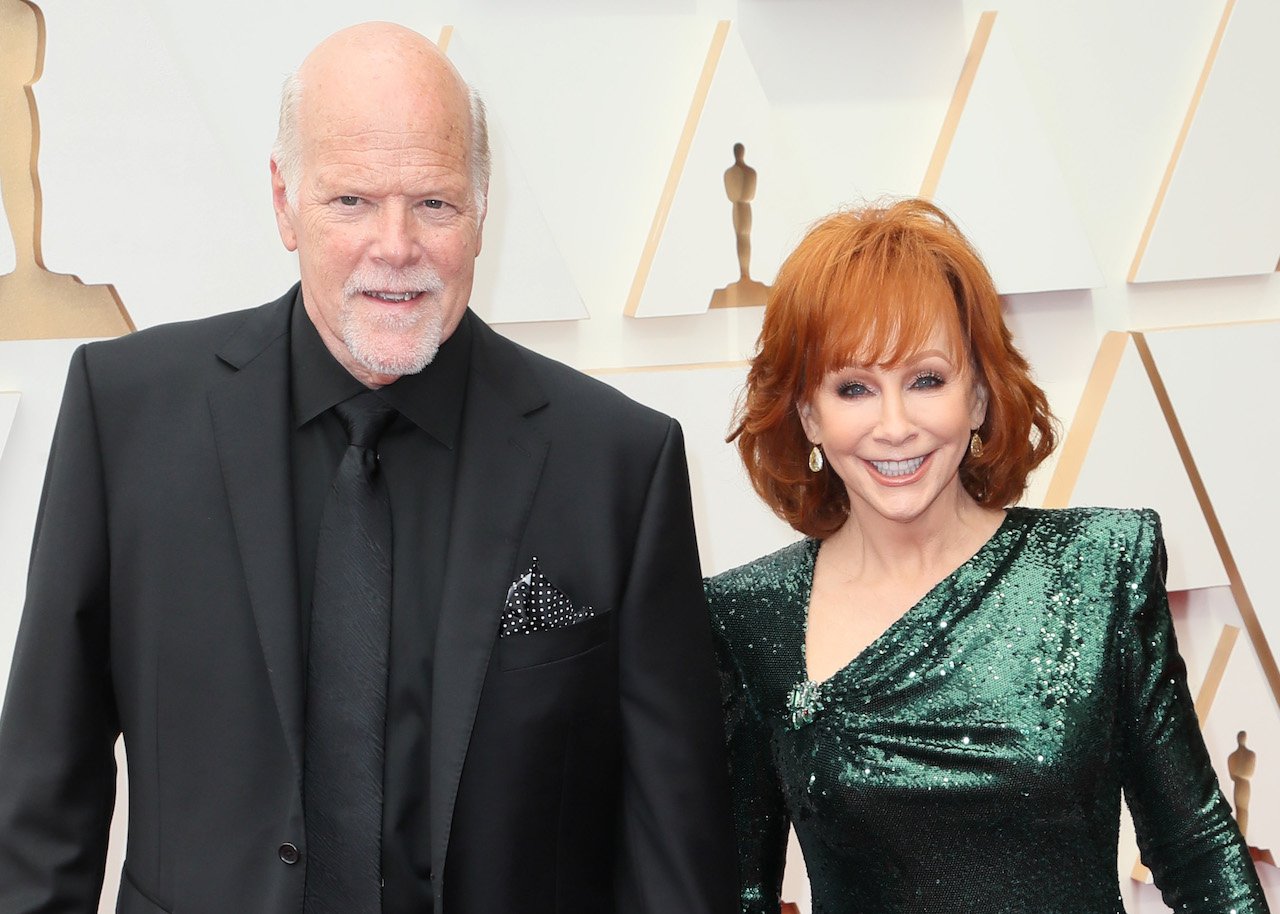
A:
[418,456]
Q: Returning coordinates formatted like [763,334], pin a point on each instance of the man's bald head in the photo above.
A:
[379,183]
[371,64]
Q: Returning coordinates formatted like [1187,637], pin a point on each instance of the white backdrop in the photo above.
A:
[157,116]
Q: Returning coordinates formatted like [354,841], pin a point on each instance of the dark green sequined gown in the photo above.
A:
[972,758]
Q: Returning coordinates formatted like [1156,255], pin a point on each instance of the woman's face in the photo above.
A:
[896,435]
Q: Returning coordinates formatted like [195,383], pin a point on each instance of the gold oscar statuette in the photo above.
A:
[34,302]
[1242,764]
[740,187]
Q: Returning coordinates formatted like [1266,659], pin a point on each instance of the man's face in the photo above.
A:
[386,226]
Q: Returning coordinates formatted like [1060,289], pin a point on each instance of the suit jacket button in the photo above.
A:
[289,853]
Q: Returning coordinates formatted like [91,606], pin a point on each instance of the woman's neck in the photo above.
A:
[871,547]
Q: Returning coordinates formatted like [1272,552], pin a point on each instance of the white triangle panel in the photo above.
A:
[1218,379]
[1132,462]
[521,274]
[697,251]
[8,409]
[1002,182]
[1220,215]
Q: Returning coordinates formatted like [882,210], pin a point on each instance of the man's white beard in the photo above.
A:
[392,342]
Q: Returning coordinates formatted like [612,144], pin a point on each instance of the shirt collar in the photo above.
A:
[431,399]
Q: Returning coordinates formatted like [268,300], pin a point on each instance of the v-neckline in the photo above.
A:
[896,624]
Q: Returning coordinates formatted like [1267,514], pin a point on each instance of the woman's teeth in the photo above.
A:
[897,467]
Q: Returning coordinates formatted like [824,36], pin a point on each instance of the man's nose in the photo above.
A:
[397,243]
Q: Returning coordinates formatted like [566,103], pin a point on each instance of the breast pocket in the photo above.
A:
[552,645]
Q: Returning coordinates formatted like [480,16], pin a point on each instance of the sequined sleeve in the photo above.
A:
[1185,828]
[759,813]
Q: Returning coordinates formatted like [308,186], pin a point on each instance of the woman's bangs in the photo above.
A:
[884,320]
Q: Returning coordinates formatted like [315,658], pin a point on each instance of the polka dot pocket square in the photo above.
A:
[534,604]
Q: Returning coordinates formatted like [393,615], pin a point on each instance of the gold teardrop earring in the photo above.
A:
[816,461]
[975,445]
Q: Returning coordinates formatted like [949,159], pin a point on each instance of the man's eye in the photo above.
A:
[433,203]
[348,200]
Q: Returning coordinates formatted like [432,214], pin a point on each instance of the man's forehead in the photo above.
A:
[405,121]
[406,99]
[415,162]
[401,115]
[387,133]
[332,145]
[338,173]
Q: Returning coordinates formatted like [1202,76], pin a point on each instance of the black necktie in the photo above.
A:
[347,675]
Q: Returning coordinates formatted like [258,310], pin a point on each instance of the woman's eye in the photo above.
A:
[852,389]
[927,380]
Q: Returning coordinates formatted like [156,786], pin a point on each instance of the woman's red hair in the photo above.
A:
[872,286]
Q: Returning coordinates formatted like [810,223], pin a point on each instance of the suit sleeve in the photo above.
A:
[59,723]
[677,843]
[1185,828]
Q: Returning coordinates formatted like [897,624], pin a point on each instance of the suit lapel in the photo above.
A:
[251,422]
[500,462]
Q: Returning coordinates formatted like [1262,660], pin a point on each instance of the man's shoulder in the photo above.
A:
[177,348]
[261,322]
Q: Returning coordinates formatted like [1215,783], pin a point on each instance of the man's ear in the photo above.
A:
[484,211]
[284,211]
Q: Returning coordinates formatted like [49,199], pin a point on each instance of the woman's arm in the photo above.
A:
[1185,829]
[760,817]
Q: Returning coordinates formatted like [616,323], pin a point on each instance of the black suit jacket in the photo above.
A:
[572,770]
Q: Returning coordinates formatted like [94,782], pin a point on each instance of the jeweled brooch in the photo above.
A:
[804,703]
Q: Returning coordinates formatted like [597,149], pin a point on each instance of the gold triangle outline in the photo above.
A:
[1183,133]
[1216,670]
[1075,446]
[959,98]
[659,224]
[1244,603]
